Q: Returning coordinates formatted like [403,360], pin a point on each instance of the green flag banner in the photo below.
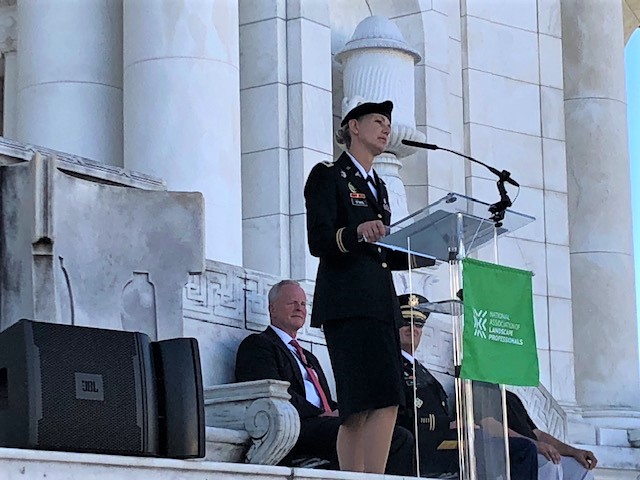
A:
[498,337]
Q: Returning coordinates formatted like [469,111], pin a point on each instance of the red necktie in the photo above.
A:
[312,375]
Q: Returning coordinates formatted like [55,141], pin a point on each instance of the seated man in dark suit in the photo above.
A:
[276,354]
[435,424]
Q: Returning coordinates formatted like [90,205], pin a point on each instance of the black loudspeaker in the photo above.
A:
[180,398]
[85,389]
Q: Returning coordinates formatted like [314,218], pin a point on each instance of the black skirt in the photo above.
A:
[367,363]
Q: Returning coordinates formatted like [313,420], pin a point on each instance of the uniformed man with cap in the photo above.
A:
[437,435]
[435,423]
[355,300]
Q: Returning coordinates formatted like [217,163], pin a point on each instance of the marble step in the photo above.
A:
[18,464]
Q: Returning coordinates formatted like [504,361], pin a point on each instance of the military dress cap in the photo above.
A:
[408,304]
[356,107]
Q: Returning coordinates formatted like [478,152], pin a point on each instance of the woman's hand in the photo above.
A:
[371,231]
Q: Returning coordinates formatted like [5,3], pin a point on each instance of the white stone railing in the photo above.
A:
[543,409]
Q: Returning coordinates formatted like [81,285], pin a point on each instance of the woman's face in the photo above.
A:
[372,131]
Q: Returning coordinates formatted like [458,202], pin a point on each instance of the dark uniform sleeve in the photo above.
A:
[326,237]
[518,418]
[433,420]
[430,421]
[256,360]
[437,423]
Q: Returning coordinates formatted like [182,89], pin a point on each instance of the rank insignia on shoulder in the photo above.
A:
[419,402]
[343,174]
[327,163]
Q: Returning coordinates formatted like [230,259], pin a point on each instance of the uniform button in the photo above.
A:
[384,264]
[379,215]
[379,250]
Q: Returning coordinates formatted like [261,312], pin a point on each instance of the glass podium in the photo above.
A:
[454,221]
[449,230]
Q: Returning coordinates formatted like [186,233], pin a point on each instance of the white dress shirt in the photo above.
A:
[310,391]
[365,174]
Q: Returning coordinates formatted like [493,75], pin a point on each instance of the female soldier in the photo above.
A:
[355,300]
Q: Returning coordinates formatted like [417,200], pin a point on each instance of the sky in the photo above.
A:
[632,70]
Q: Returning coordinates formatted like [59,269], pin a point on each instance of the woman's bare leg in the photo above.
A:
[364,440]
[350,445]
[377,432]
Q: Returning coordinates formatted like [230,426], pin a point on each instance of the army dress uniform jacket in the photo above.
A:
[433,418]
[354,277]
[432,405]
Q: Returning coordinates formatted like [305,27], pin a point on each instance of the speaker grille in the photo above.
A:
[111,425]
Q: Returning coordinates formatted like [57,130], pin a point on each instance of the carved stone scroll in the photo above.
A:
[260,408]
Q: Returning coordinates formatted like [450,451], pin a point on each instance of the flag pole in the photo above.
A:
[464,395]
[503,390]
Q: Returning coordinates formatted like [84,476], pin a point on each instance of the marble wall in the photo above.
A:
[286,110]
[514,120]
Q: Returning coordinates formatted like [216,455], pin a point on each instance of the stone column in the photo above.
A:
[379,65]
[182,107]
[9,109]
[602,273]
[8,41]
[70,77]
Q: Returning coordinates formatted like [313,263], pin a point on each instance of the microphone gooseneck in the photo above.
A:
[428,146]
[497,209]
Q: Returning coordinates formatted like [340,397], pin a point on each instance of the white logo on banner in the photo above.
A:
[480,323]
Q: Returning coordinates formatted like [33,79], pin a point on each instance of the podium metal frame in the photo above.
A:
[449,230]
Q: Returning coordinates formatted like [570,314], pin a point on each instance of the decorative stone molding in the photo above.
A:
[226,445]
[237,297]
[217,296]
[8,26]
[257,288]
[543,409]
[260,408]
[12,152]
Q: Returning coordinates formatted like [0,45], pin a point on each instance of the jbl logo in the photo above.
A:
[89,386]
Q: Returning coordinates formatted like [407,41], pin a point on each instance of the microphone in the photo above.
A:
[503,175]
[428,146]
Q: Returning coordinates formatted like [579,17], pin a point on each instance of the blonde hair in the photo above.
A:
[343,136]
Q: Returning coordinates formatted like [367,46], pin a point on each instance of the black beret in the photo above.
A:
[408,302]
[383,108]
